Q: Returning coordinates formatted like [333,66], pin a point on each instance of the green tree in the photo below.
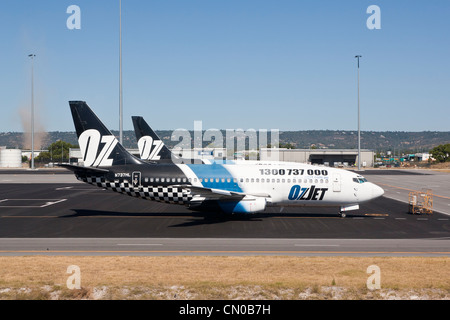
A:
[283,145]
[57,152]
[441,153]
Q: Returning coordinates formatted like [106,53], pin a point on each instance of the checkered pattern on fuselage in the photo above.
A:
[167,194]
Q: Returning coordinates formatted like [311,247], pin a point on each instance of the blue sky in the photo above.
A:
[261,64]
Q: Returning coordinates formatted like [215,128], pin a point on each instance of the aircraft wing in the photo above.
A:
[216,194]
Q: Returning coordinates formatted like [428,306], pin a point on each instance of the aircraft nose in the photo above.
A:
[377,191]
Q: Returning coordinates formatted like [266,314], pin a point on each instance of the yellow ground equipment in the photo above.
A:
[421,202]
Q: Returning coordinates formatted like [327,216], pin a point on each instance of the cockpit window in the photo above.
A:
[360,180]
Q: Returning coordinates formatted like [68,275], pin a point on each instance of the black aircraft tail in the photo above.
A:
[99,147]
[151,147]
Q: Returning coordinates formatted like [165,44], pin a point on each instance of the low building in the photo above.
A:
[10,158]
[422,157]
[328,157]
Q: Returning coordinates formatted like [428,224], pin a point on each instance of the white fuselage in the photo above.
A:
[284,183]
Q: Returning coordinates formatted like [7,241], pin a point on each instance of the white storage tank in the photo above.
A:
[10,158]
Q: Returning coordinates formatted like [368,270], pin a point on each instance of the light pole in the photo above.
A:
[359,131]
[32,109]
[120,76]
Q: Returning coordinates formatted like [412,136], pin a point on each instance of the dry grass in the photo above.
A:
[441,167]
[43,277]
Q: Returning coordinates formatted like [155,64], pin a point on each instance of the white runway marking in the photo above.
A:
[317,245]
[139,244]
[29,203]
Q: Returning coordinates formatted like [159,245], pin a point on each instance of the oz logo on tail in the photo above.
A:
[90,141]
[149,148]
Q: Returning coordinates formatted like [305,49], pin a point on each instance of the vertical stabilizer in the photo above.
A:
[99,147]
[151,147]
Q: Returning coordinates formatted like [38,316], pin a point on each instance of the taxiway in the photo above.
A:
[44,213]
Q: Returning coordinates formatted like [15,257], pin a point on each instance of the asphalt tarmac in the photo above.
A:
[55,214]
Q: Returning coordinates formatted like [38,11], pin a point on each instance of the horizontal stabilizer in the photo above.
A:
[74,168]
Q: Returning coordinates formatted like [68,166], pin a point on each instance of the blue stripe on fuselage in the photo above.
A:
[214,173]
[222,161]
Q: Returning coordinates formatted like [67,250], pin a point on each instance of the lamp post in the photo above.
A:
[359,131]
[120,76]
[32,109]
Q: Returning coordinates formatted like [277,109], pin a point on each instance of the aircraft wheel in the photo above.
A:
[342,214]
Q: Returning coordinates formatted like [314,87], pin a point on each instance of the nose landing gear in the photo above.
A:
[344,209]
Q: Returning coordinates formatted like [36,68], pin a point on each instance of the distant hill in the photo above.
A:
[330,139]
[373,140]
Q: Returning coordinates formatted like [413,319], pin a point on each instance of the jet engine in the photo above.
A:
[246,205]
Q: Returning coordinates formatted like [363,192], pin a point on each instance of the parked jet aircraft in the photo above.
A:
[152,148]
[231,188]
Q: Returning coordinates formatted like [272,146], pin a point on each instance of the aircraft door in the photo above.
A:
[336,182]
[136,178]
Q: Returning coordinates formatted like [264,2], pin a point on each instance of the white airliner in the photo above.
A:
[231,188]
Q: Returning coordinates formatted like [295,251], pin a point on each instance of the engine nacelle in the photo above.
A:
[246,205]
